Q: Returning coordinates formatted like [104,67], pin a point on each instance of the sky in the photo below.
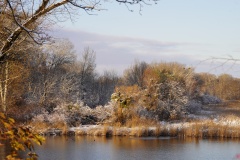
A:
[190,32]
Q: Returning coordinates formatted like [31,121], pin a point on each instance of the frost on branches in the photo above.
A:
[72,115]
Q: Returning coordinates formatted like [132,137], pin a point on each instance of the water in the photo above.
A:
[127,148]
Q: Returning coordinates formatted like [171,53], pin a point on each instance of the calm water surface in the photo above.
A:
[127,148]
[124,148]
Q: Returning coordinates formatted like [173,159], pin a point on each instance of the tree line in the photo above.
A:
[223,86]
[49,75]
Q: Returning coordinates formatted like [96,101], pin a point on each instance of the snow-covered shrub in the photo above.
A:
[193,106]
[56,118]
[39,118]
[74,114]
[208,99]
[103,112]
[44,121]
[165,100]
[157,101]
[49,118]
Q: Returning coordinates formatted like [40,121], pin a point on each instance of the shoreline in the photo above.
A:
[211,122]
[198,129]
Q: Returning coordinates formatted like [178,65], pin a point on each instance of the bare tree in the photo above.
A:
[51,72]
[106,85]
[86,76]
[12,76]
[135,74]
[28,15]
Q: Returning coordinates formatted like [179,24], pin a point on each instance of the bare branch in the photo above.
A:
[224,63]
[42,6]
[128,8]
[133,2]
[14,17]
[24,13]
[32,18]
[87,8]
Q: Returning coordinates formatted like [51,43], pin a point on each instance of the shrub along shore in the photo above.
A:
[213,121]
[227,127]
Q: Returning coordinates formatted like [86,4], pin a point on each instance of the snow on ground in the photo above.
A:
[196,120]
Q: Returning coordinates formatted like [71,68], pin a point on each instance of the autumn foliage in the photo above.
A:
[162,97]
[21,138]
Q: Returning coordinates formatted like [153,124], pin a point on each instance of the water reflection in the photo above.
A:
[128,148]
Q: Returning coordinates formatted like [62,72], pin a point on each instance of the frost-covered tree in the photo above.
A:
[50,75]
[86,77]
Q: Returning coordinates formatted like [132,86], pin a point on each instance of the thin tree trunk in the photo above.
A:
[4,86]
[1,91]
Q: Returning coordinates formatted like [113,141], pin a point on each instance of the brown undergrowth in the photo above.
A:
[224,127]
[208,129]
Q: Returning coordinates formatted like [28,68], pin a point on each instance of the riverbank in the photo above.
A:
[213,121]
[222,127]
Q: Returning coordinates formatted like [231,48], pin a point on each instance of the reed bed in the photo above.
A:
[224,127]
[197,129]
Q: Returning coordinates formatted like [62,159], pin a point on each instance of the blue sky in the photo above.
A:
[184,31]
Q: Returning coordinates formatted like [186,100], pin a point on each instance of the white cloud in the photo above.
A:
[117,53]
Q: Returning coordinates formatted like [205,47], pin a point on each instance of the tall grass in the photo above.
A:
[225,127]
[195,129]
[210,129]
